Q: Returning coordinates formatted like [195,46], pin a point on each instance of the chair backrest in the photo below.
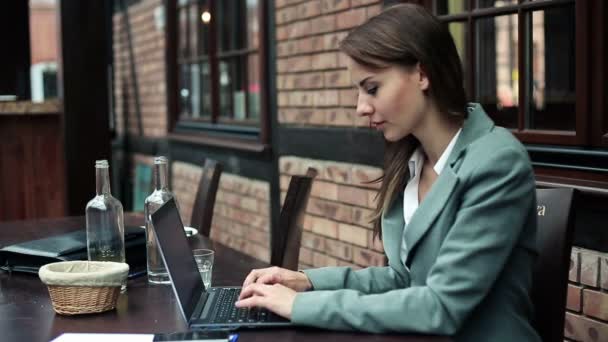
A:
[202,212]
[285,249]
[555,212]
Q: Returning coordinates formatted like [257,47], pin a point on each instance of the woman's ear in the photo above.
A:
[423,80]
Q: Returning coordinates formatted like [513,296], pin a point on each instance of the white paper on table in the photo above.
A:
[69,337]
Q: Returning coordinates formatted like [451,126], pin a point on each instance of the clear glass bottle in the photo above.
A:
[157,273]
[104,219]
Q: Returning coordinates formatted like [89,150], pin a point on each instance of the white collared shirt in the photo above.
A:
[410,194]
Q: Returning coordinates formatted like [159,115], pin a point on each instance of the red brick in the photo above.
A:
[325,60]
[313,241]
[286,15]
[373,11]
[582,328]
[337,78]
[309,9]
[595,304]
[298,29]
[290,165]
[574,272]
[283,99]
[336,172]
[604,272]
[363,175]
[353,234]
[317,43]
[323,24]
[302,99]
[324,190]
[351,18]
[352,195]
[322,260]
[340,117]
[250,203]
[299,63]
[349,264]
[334,5]
[326,98]
[365,257]
[348,97]
[372,198]
[339,249]
[361,217]
[574,298]
[589,268]
[325,227]
[282,65]
[332,210]
[305,256]
[303,45]
[357,3]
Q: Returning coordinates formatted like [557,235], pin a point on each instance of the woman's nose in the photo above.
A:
[364,108]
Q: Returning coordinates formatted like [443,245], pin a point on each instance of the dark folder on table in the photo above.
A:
[29,256]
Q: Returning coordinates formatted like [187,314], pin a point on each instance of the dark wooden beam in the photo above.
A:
[83,86]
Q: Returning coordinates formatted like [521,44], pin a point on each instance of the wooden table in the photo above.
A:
[26,313]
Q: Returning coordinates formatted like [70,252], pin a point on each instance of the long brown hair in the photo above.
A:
[405,35]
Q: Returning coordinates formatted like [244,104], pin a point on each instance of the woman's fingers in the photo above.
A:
[270,278]
[254,290]
[252,277]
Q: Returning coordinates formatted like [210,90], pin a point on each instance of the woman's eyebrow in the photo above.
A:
[363,81]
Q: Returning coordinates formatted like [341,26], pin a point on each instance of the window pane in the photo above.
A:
[459,34]
[204,20]
[253,25]
[231,24]
[495,3]
[253,89]
[497,68]
[194,23]
[205,93]
[232,88]
[182,43]
[43,50]
[552,81]
[443,7]
[185,102]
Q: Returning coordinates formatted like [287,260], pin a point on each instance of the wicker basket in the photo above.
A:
[81,287]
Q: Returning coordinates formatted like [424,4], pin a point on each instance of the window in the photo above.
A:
[219,63]
[524,61]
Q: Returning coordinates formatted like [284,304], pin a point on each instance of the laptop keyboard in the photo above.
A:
[226,312]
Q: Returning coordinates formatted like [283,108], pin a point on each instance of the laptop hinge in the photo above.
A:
[196,314]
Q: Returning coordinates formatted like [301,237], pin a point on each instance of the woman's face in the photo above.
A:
[393,98]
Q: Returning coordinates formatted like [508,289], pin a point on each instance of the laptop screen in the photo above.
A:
[178,257]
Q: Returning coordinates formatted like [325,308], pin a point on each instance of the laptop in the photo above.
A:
[202,308]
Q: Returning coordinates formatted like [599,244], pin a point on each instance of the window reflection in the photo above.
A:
[43,49]
[443,7]
[498,73]
[552,81]
[494,3]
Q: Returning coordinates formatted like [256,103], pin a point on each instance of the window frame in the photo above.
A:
[583,115]
[217,132]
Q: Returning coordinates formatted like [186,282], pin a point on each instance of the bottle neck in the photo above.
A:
[102,181]
[160,176]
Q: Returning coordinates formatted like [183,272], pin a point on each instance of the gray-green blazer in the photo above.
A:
[472,245]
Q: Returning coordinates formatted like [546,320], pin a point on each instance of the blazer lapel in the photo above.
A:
[392,233]
[428,210]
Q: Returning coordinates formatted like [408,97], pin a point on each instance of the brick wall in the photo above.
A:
[241,213]
[314,87]
[336,229]
[148,46]
[587,306]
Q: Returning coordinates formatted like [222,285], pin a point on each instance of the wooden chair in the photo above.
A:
[285,249]
[550,279]
[202,212]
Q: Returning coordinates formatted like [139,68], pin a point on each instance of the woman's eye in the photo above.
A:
[372,91]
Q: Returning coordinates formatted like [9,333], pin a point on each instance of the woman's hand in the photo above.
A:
[296,281]
[276,298]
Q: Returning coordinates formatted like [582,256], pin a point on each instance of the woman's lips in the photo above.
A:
[378,124]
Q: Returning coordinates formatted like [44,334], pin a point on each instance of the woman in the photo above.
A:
[456,209]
